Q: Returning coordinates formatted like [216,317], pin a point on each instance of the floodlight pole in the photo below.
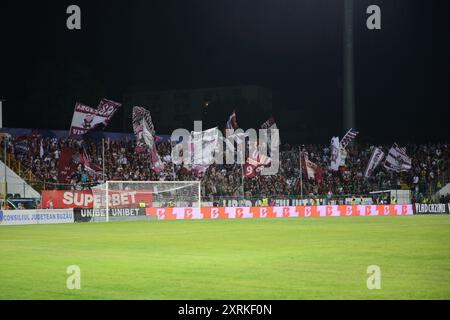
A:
[348,68]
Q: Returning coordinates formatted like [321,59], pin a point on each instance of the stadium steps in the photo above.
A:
[16,181]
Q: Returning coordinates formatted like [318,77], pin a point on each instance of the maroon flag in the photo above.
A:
[269,124]
[93,169]
[66,165]
[106,109]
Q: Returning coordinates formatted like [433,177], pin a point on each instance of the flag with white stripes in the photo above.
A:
[349,137]
[397,160]
[335,154]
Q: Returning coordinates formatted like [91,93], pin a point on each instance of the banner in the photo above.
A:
[66,164]
[86,118]
[279,212]
[441,208]
[335,154]
[86,215]
[19,217]
[88,199]
[375,159]
[397,160]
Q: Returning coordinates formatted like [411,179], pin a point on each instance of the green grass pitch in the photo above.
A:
[315,258]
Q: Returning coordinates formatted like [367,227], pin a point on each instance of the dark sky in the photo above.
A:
[291,46]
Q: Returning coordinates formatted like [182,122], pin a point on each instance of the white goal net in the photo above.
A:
[128,200]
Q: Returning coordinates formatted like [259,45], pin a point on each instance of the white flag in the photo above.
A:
[335,154]
[41,150]
[375,159]
[397,160]
[348,137]
[205,145]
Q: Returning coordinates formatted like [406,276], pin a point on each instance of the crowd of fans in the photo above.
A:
[430,169]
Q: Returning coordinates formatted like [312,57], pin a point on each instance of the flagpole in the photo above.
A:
[173,164]
[242,182]
[103,159]
[301,172]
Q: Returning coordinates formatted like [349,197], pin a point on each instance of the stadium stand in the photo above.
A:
[39,167]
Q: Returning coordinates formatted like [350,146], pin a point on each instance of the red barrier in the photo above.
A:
[279,212]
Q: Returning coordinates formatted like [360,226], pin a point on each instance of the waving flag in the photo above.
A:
[145,135]
[143,129]
[335,154]
[86,118]
[232,122]
[397,160]
[348,137]
[255,163]
[66,164]
[313,171]
[375,159]
[93,169]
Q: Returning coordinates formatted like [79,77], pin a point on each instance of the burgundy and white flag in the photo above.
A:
[93,169]
[86,118]
[313,170]
[269,124]
[375,159]
[255,163]
[145,135]
[106,109]
[232,122]
[397,160]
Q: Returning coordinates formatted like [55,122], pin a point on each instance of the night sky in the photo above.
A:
[291,46]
